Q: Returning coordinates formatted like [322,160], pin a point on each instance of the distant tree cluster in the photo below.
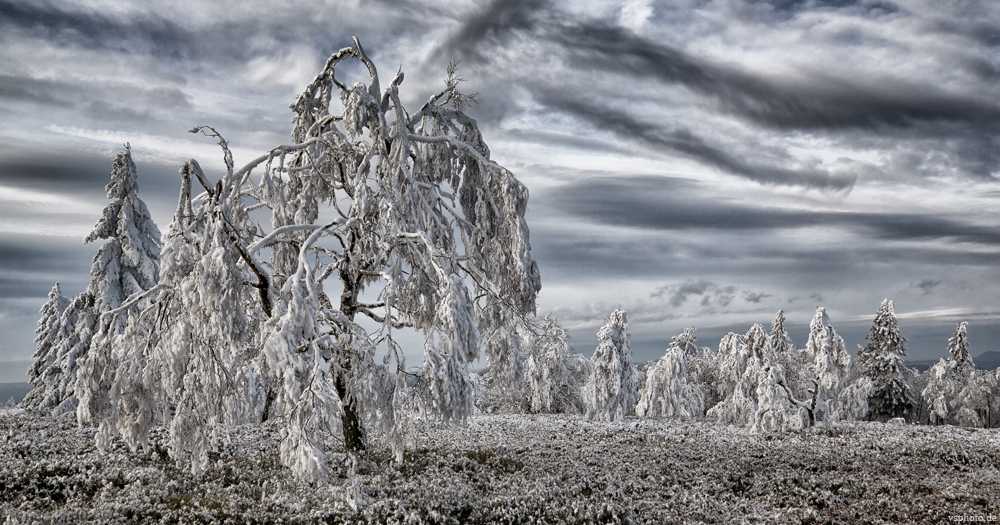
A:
[761,381]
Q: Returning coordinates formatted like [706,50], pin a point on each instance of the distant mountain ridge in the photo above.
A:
[984,361]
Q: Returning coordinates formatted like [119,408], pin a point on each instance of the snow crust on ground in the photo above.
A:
[519,469]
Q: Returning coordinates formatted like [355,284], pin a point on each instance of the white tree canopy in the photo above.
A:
[666,390]
[612,391]
[419,228]
[829,367]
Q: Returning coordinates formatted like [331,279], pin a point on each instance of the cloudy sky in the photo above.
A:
[694,162]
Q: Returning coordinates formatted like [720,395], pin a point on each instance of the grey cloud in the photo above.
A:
[687,143]
[655,203]
[755,297]
[813,101]
[874,7]
[927,285]
[491,26]
[29,265]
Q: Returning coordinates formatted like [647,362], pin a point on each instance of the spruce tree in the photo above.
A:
[126,264]
[47,345]
[961,362]
[882,361]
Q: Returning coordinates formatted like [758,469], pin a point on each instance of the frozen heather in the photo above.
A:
[515,469]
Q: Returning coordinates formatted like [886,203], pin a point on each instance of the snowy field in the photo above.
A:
[522,469]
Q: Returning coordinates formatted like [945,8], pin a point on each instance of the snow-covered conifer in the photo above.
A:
[947,381]
[829,366]
[126,265]
[781,342]
[611,393]
[960,359]
[46,346]
[667,391]
[882,361]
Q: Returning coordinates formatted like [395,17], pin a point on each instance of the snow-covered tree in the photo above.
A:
[939,391]
[829,366]
[127,265]
[124,265]
[755,393]
[612,391]
[667,391]
[781,342]
[976,402]
[882,362]
[46,346]
[418,227]
[960,360]
[949,377]
[553,373]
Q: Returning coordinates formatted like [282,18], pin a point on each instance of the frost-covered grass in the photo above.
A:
[520,469]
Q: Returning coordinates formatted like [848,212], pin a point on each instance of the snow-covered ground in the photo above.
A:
[521,469]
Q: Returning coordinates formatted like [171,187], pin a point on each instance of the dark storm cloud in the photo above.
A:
[491,26]
[876,7]
[812,101]
[151,35]
[30,264]
[685,142]
[663,204]
[81,175]
[819,101]
[927,285]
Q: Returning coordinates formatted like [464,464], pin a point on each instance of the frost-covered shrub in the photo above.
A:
[745,367]
[666,390]
[612,391]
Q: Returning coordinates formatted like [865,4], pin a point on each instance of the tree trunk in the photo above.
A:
[354,432]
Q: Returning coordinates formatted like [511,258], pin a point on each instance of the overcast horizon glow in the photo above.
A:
[696,163]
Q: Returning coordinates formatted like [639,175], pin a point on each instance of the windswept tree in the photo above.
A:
[666,390]
[612,391]
[46,347]
[401,212]
[882,362]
